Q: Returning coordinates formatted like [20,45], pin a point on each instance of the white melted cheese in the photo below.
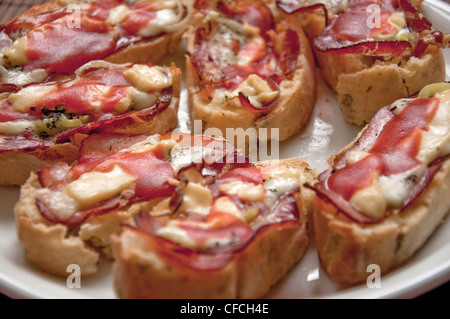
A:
[245,191]
[118,14]
[197,199]
[333,6]
[393,190]
[93,187]
[22,100]
[254,87]
[16,127]
[356,156]
[398,21]
[177,235]
[257,90]
[61,203]
[50,126]
[281,181]
[173,232]
[184,157]
[229,34]
[14,55]
[225,205]
[164,18]
[147,78]
[223,54]
[436,141]
[21,78]
[396,188]
[141,100]
[370,200]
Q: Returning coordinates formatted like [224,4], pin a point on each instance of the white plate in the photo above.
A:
[327,133]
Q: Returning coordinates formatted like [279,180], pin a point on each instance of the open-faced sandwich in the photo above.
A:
[371,53]
[44,123]
[60,36]
[249,66]
[200,220]
[386,193]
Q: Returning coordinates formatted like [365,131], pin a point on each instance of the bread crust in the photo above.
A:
[16,165]
[53,247]
[151,49]
[141,271]
[290,115]
[362,93]
[364,85]
[347,248]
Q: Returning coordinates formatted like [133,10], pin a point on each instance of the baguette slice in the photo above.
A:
[35,43]
[388,221]
[45,123]
[236,87]
[364,74]
[224,262]
[67,214]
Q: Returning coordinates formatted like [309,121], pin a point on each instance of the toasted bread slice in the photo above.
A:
[109,98]
[225,99]
[163,265]
[408,201]
[365,80]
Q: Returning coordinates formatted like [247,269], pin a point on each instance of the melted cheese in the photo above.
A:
[164,18]
[435,142]
[50,126]
[255,88]
[333,6]
[124,104]
[177,235]
[396,188]
[245,191]
[223,54]
[258,90]
[281,181]
[62,204]
[147,78]
[118,14]
[393,190]
[150,143]
[15,55]
[184,157]
[20,78]
[94,187]
[16,127]
[225,205]
[370,200]
[355,156]
[141,100]
[24,99]
[196,199]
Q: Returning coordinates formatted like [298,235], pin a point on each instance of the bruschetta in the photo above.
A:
[248,66]
[44,123]
[67,214]
[234,237]
[386,193]
[371,53]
